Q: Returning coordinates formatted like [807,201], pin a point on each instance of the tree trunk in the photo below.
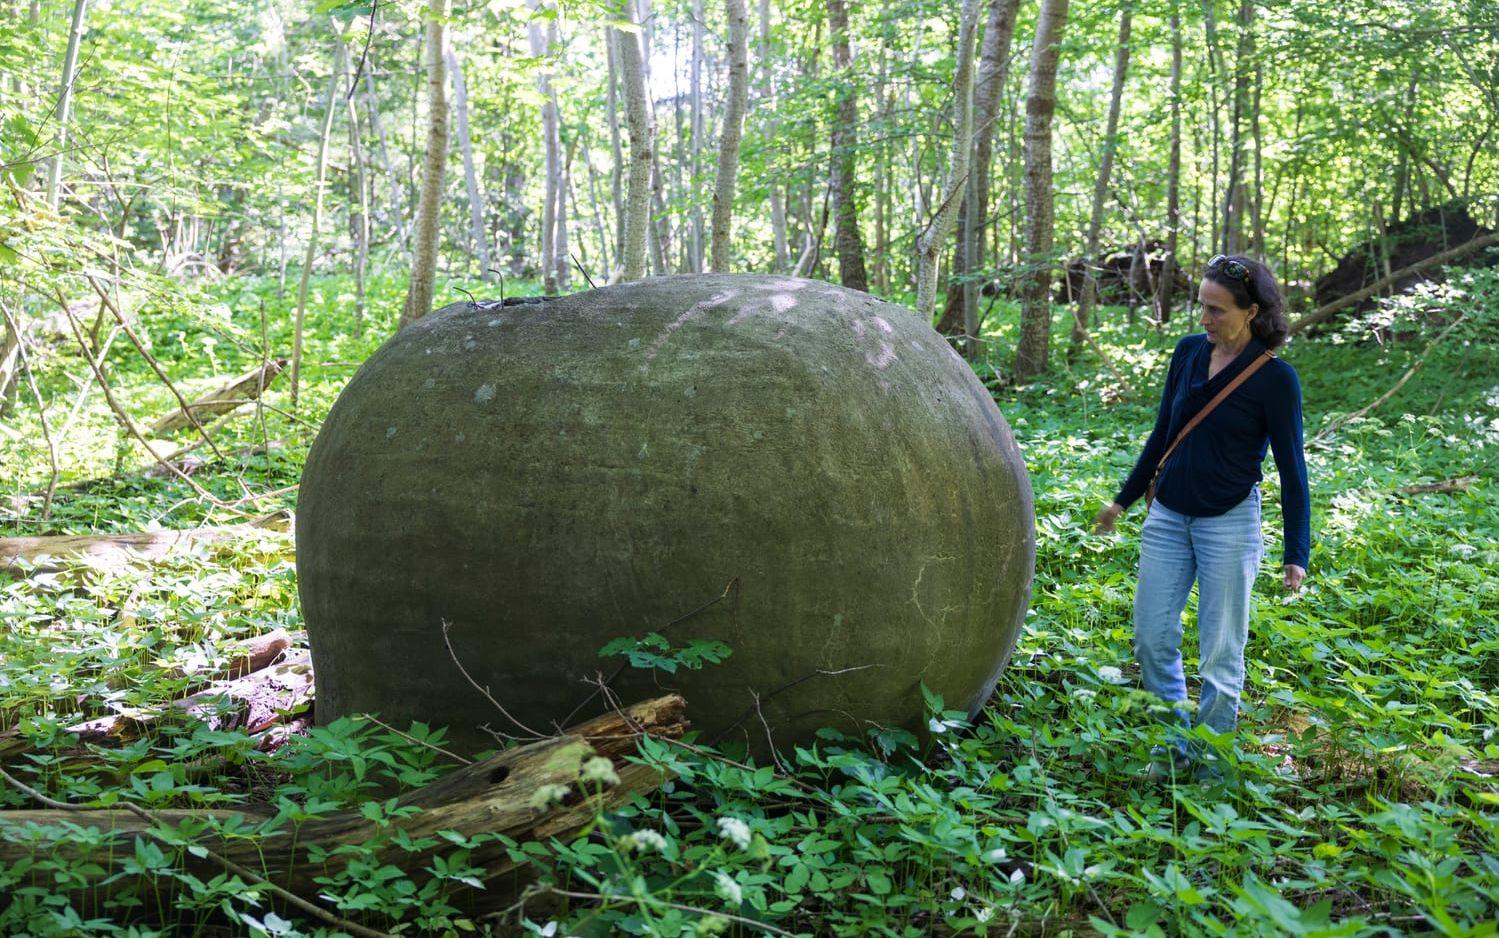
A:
[65,103]
[551,143]
[1215,123]
[1236,199]
[696,128]
[424,254]
[639,126]
[1167,282]
[930,241]
[397,198]
[561,264]
[616,172]
[334,80]
[844,137]
[470,177]
[1101,188]
[777,194]
[496,796]
[994,67]
[1040,103]
[359,208]
[733,128]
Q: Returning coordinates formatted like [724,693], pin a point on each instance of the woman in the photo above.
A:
[1203,526]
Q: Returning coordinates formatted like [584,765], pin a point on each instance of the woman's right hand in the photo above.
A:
[1104,523]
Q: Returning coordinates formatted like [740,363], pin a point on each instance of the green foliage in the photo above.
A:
[654,651]
[1361,798]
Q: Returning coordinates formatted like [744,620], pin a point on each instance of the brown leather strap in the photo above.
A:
[1198,417]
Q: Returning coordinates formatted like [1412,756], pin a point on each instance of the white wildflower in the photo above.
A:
[601,770]
[727,888]
[984,915]
[547,795]
[736,830]
[958,893]
[644,842]
[1112,674]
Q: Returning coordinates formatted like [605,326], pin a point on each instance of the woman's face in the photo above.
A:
[1223,319]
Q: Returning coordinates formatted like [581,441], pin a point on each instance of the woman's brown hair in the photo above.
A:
[1269,325]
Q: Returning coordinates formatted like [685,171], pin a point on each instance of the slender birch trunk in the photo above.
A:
[697,130]
[334,80]
[994,68]
[850,242]
[397,198]
[424,253]
[733,128]
[541,45]
[1101,188]
[561,257]
[359,206]
[1034,348]
[929,243]
[777,194]
[65,103]
[470,176]
[616,171]
[1236,200]
[1167,282]
[641,131]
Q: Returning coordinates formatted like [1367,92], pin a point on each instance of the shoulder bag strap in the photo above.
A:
[1198,417]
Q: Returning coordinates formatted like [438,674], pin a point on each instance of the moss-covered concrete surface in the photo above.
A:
[548,477]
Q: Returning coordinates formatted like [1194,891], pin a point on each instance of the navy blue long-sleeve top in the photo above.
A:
[1219,462]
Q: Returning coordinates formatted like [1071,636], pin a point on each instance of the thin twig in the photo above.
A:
[155,365]
[598,896]
[41,411]
[364,55]
[447,642]
[412,739]
[287,895]
[728,588]
[129,424]
[1410,372]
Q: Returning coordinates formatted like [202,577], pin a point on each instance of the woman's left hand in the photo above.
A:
[1294,576]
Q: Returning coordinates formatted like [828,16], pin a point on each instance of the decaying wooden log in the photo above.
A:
[241,390]
[1459,484]
[252,698]
[505,794]
[106,549]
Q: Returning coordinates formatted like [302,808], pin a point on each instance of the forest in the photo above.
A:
[216,221]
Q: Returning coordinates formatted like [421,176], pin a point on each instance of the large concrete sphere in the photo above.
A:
[548,477]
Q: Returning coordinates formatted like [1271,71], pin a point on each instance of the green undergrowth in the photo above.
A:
[1361,798]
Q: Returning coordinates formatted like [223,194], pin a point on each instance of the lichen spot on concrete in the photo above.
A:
[883,358]
[429,384]
[885,327]
[644,452]
[493,322]
[484,394]
[469,344]
[390,432]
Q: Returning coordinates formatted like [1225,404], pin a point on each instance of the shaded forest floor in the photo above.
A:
[1365,797]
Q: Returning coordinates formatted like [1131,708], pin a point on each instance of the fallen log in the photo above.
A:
[1325,312]
[252,701]
[104,550]
[508,794]
[1459,484]
[240,390]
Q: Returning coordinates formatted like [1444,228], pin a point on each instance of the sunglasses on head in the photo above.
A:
[1229,267]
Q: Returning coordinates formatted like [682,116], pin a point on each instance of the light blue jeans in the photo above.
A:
[1222,556]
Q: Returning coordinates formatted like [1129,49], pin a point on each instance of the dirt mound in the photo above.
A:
[1432,231]
[1125,277]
